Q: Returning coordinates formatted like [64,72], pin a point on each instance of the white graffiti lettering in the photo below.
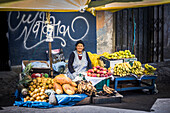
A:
[39,26]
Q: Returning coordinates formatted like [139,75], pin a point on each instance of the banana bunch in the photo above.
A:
[108,89]
[122,69]
[137,68]
[149,70]
[119,55]
[87,88]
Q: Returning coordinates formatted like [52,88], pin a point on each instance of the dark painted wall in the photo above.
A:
[4,57]
[27,34]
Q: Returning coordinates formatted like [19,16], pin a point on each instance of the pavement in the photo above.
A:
[160,106]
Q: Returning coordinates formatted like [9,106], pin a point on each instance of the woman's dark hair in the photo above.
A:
[79,42]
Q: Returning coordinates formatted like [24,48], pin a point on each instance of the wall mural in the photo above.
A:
[27,34]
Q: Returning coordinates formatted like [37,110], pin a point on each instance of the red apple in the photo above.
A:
[98,67]
[91,70]
[105,75]
[94,75]
[109,74]
[101,72]
[102,75]
[89,74]
[101,69]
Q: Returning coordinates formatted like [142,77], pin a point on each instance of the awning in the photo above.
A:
[44,5]
[115,5]
[75,5]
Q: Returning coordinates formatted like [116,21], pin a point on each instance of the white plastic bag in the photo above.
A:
[52,99]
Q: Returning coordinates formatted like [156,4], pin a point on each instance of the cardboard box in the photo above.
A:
[110,63]
[36,69]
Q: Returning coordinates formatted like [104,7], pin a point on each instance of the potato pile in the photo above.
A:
[37,89]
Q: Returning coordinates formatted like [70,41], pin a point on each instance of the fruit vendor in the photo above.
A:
[79,60]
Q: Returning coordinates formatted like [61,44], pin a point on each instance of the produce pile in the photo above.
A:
[149,70]
[87,88]
[37,89]
[64,84]
[124,69]
[137,68]
[98,71]
[60,84]
[119,55]
[107,91]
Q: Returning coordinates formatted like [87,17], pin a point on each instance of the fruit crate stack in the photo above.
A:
[110,60]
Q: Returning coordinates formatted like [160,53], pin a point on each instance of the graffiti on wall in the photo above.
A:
[40,26]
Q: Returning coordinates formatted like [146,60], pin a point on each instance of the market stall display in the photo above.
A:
[98,71]
[41,89]
[125,69]
[149,70]
[122,69]
[36,90]
[94,83]
[119,55]
[87,88]
[137,68]
[137,73]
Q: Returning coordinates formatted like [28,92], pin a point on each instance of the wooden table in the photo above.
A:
[150,86]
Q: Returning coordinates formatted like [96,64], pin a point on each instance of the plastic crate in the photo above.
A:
[100,85]
[130,60]
[110,62]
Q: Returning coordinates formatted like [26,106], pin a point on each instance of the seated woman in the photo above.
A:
[79,61]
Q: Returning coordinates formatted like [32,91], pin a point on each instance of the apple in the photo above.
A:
[91,70]
[102,75]
[101,69]
[101,72]
[89,74]
[104,69]
[94,75]
[105,75]
[98,71]
[95,69]
[98,67]
[109,74]
[104,72]
[98,75]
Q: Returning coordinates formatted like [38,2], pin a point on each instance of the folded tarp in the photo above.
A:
[63,100]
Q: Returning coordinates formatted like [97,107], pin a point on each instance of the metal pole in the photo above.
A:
[50,55]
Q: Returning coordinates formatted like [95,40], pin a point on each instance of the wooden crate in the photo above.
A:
[36,69]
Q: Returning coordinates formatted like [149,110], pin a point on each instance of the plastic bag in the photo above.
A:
[52,99]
